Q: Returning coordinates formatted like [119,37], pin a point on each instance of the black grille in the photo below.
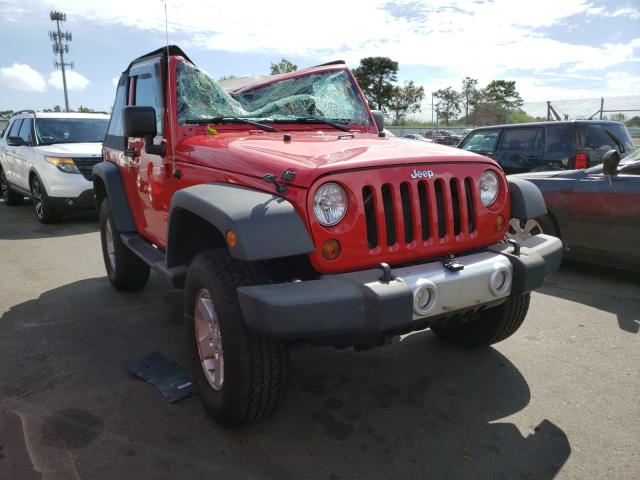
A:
[85,165]
[422,209]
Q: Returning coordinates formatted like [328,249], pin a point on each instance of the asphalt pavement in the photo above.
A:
[559,399]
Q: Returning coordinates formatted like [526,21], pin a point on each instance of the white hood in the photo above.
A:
[93,149]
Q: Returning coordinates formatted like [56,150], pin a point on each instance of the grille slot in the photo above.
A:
[470,207]
[370,217]
[389,214]
[405,196]
[442,227]
[455,200]
[424,210]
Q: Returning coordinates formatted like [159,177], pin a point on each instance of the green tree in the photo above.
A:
[503,93]
[448,104]
[376,76]
[633,122]
[82,109]
[284,66]
[56,108]
[469,95]
[618,117]
[405,100]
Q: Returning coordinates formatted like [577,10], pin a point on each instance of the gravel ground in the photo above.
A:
[559,399]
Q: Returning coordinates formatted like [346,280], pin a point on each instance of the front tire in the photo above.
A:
[41,205]
[486,327]
[524,229]
[10,197]
[242,377]
[126,271]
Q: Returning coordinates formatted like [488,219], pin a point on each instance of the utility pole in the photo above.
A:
[60,46]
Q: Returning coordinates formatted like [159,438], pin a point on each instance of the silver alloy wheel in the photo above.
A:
[111,249]
[37,197]
[209,339]
[523,229]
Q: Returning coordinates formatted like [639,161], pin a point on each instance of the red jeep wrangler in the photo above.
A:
[287,216]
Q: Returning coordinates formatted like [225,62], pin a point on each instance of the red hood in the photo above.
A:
[313,154]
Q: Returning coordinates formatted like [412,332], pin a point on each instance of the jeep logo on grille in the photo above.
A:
[422,174]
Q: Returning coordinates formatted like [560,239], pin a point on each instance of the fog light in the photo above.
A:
[70,203]
[232,239]
[499,223]
[424,298]
[500,280]
[331,249]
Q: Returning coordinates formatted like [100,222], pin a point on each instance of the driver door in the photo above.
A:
[604,215]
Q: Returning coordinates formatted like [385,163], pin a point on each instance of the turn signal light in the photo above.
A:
[582,161]
[499,223]
[232,239]
[331,249]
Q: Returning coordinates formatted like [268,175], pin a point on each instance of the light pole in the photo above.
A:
[60,46]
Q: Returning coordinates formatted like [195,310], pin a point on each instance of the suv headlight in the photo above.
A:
[65,165]
[489,187]
[330,204]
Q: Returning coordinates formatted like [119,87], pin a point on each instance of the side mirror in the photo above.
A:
[141,122]
[610,162]
[378,117]
[15,141]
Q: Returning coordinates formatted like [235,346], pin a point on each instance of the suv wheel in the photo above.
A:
[10,197]
[523,229]
[41,204]
[486,327]
[242,377]
[126,271]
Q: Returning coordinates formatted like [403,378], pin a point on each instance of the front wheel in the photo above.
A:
[486,327]
[41,204]
[242,377]
[126,271]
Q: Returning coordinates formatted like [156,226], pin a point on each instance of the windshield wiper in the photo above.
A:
[617,141]
[337,125]
[223,120]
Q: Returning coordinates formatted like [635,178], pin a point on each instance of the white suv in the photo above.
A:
[49,157]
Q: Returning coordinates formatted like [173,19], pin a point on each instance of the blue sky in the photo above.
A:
[552,49]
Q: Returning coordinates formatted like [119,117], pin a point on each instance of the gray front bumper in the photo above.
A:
[359,304]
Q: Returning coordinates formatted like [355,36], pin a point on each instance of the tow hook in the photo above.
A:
[386,273]
[516,246]
[451,263]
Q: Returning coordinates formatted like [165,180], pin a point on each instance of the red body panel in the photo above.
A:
[240,155]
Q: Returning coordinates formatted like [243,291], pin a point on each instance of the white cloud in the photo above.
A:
[75,80]
[20,76]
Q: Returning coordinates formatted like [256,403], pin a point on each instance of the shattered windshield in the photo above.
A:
[327,96]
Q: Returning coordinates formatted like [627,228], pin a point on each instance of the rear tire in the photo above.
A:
[488,326]
[41,205]
[10,197]
[242,377]
[126,271]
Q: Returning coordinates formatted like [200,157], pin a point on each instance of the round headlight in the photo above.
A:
[330,204]
[489,186]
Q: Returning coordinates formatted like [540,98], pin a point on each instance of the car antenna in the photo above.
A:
[175,170]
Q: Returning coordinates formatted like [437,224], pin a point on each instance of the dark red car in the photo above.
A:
[596,211]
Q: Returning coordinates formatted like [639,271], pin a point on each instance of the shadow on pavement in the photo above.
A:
[416,409]
[20,222]
[607,289]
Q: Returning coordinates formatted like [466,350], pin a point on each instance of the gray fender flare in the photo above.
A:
[266,226]
[526,199]
[110,178]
